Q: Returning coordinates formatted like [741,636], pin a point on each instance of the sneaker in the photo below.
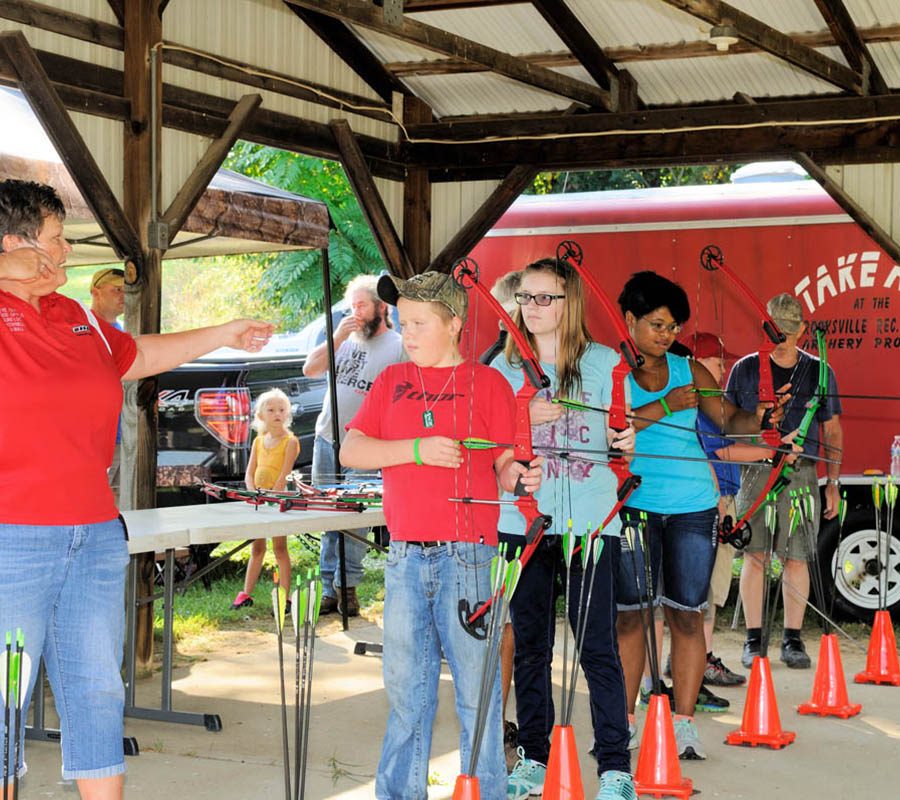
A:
[666,690]
[687,740]
[633,742]
[526,779]
[329,604]
[242,600]
[352,602]
[707,701]
[751,651]
[615,785]
[793,653]
[718,674]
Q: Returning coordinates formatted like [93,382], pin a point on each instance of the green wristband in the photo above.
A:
[416,454]
[665,405]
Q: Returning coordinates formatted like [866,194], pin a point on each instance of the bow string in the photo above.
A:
[467,275]
[738,533]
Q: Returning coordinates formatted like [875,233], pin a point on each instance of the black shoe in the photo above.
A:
[329,605]
[717,674]
[793,653]
[751,651]
[644,694]
[707,701]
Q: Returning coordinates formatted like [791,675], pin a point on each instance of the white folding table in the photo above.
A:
[166,529]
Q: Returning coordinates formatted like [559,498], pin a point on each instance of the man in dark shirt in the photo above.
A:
[790,365]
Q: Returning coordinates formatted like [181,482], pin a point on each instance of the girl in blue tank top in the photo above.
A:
[678,495]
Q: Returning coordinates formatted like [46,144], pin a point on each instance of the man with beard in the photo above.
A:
[364,345]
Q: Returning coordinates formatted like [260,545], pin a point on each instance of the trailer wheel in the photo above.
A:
[854,562]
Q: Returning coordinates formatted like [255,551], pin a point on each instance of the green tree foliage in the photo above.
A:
[606,180]
[208,291]
[292,281]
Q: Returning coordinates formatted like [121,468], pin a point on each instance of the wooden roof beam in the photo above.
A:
[104,34]
[448,5]
[118,8]
[66,23]
[855,127]
[588,53]
[47,105]
[516,181]
[650,52]
[250,75]
[194,187]
[848,38]
[720,117]
[371,17]
[97,90]
[774,42]
[844,200]
[370,200]
[351,51]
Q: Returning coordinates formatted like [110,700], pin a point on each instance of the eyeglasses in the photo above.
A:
[659,327]
[542,299]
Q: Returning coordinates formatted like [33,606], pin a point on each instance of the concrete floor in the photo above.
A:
[237,679]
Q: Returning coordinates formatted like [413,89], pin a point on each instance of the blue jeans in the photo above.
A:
[682,549]
[533,614]
[423,587]
[63,585]
[324,472]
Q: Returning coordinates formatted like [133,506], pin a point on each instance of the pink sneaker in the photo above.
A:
[243,600]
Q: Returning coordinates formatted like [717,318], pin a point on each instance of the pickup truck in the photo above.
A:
[206,407]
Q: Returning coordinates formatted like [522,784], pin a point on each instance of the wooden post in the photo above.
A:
[370,200]
[417,196]
[143,31]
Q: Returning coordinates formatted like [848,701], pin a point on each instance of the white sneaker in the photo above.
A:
[687,740]
[526,779]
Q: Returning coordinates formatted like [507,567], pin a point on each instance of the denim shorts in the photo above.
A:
[682,547]
[64,585]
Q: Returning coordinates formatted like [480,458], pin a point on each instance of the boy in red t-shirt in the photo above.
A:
[409,426]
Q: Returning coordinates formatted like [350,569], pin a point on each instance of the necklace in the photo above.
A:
[428,414]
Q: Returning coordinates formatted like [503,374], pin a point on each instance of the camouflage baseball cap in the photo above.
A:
[429,287]
[786,311]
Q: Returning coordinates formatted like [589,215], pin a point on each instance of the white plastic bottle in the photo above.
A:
[895,457]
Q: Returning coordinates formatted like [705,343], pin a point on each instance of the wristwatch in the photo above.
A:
[833,481]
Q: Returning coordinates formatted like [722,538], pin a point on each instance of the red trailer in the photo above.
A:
[778,236]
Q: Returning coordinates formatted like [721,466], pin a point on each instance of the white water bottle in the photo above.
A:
[895,457]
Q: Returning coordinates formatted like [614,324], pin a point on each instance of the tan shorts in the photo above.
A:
[720,582]
[796,546]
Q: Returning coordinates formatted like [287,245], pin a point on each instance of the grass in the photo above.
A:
[199,612]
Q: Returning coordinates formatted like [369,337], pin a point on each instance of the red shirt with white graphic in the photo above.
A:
[465,401]
[59,405]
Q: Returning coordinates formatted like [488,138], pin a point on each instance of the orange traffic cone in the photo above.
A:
[658,772]
[761,723]
[562,780]
[829,695]
[881,662]
[466,788]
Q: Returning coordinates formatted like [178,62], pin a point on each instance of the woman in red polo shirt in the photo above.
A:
[63,552]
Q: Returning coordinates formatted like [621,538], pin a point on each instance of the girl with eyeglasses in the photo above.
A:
[551,314]
[680,497]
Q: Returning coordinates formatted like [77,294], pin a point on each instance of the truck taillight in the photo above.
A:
[225,413]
